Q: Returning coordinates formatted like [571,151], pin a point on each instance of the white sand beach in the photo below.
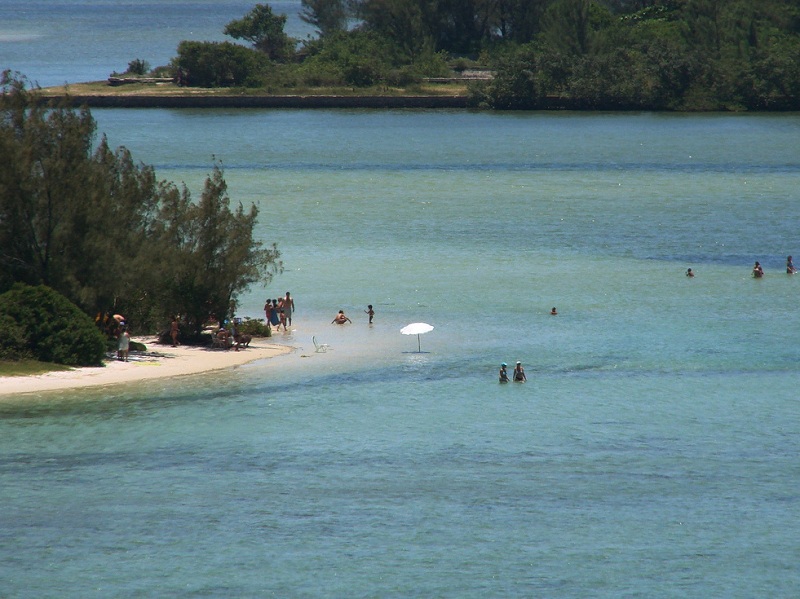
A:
[159,361]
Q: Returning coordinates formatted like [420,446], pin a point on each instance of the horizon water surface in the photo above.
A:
[653,452]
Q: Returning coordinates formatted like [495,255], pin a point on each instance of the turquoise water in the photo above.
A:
[652,453]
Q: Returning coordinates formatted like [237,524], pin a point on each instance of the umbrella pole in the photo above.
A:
[419,347]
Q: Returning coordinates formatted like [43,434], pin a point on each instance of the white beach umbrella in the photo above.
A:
[416,328]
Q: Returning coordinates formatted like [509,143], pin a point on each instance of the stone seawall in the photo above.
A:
[218,101]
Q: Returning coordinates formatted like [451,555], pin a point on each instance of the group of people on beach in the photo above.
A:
[229,336]
[115,326]
[279,312]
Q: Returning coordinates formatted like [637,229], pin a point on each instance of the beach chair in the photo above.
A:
[319,348]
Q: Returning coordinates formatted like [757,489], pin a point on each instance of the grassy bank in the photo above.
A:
[102,88]
[29,368]
[100,94]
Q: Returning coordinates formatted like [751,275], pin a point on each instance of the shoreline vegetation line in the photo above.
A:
[263,101]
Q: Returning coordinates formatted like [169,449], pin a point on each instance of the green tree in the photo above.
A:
[517,20]
[138,67]
[515,85]
[404,24]
[43,172]
[265,31]
[776,76]
[577,27]
[70,218]
[215,258]
[220,64]
[326,16]
[101,230]
[356,58]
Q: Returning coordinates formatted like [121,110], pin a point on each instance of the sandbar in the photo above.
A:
[159,361]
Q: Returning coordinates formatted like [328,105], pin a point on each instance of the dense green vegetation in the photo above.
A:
[618,54]
[39,323]
[101,230]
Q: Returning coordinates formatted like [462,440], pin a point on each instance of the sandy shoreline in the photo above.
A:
[160,361]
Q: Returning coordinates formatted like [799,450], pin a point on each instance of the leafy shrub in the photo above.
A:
[431,64]
[138,67]
[254,327]
[357,58]
[163,71]
[320,74]
[12,340]
[462,64]
[45,325]
[220,64]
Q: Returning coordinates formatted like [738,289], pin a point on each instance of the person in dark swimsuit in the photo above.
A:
[519,373]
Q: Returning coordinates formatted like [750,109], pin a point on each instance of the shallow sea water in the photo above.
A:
[653,451]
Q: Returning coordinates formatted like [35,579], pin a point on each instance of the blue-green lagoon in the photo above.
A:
[652,453]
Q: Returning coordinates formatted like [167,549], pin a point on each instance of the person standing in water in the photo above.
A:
[519,373]
[288,308]
[370,312]
[274,315]
[790,269]
[758,272]
[689,273]
[503,373]
[268,312]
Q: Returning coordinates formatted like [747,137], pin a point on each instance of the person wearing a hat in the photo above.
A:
[519,373]
[503,373]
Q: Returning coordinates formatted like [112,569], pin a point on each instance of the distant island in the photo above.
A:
[662,55]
